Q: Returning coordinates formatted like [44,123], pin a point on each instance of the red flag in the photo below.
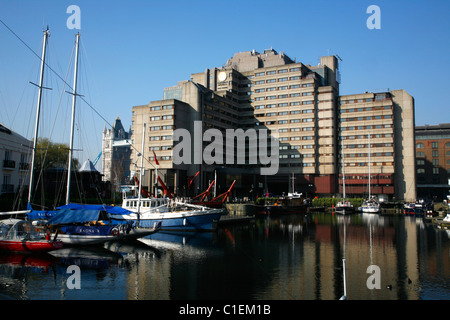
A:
[156,159]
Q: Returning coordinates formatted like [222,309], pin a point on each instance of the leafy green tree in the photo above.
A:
[53,155]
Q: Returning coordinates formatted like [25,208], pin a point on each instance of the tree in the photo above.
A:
[53,155]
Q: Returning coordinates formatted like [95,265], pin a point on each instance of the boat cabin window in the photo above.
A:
[153,203]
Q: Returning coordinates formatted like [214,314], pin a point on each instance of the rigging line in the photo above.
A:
[68,85]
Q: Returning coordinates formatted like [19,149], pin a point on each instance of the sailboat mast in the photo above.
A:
[369,166]
[74,98]
[343,170]
[38,112]
[141,169]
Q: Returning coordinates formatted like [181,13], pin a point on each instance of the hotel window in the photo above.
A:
[295,78]
[259,74]
[435,162]
[282,71]
[271,81]
[434,145]
[167,107]
[294,69]
[283,79]
[307,102]
[271,72]
[155,108]
[285,104]
[420,154]
[260,82]
[283,88]
[259,90]
[271,97]
[435,153]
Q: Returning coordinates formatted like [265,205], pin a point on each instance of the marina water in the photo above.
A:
[286,257]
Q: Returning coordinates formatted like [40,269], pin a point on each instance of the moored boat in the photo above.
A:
[21,236]
[172,215]
[92,226]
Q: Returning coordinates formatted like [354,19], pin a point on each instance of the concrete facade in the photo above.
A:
[301,106]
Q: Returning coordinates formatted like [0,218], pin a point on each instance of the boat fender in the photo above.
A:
[115,232]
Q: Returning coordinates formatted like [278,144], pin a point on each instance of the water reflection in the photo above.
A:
[285,257]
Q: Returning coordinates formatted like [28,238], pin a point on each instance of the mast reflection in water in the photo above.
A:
[274,258]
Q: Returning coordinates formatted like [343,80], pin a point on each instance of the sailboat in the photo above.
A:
[78,224]
[370,205]
[18,235]
[344,206]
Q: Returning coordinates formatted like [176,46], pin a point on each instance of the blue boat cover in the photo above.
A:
[108,209]
[68,216]
[47,214]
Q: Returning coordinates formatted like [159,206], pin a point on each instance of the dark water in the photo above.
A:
[274,258]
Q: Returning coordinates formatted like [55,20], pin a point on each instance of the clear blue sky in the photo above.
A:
[131,50]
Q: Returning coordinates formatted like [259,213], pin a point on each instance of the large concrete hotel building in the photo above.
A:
[318,130]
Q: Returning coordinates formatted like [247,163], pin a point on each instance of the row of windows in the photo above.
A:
[378,97]
[366,155]
[260,74]
[157,108]
[157,118]
[284,79]
[284,113]
[434,145]
[435,171]
[366,109]
[163,148]
[366,118]
[373,145]
[156,128]
[366,164]
[162,158]
[282,96]
[270,89]
[365,136]
[158,138]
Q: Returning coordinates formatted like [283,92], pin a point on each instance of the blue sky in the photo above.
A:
[131,50]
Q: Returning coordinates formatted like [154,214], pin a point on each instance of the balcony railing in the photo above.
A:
[9,164]
[7,188]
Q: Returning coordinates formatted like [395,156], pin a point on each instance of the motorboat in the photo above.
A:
[18,235]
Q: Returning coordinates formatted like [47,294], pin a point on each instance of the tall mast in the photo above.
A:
[140,169]
[38,112]
[369,165]
[343,170]
[74,98]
